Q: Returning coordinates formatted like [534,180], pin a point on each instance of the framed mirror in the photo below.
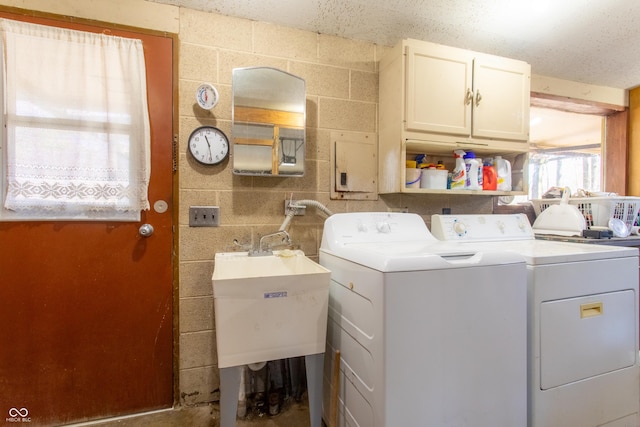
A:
[268,132]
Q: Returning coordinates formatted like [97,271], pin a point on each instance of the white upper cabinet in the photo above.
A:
[441,94]
[458,92]
[435,99]
[501,99]
[438,89]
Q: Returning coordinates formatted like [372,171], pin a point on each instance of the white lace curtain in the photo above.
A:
[77,125]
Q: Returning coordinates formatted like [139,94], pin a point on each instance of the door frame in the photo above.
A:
[107,26]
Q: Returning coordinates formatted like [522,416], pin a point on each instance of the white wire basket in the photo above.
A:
[597,211]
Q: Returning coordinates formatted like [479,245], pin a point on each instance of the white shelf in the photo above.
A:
[463,192]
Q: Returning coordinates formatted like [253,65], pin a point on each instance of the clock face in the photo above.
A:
[208,145]
[207,96]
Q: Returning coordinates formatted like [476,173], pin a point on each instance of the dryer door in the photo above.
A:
[586,336]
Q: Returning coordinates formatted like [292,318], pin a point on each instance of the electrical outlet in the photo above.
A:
[204,216]
[299,210]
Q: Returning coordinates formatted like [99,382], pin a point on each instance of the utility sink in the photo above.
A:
[269,307]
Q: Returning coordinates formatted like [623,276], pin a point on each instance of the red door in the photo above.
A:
[86,309]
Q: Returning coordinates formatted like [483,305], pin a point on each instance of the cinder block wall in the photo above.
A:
[342,94]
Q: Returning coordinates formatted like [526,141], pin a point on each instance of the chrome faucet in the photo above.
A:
[286,239]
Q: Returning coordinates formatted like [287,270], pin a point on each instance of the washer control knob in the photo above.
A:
[383,227]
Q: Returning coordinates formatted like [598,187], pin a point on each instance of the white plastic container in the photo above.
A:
[412,178]
[472,168]
[435,179]
[503,169]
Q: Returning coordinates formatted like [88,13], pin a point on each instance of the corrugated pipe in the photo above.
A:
[300,203]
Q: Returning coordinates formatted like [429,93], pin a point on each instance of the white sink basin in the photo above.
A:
[269,307]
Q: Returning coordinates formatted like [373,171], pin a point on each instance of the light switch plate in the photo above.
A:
[204,216]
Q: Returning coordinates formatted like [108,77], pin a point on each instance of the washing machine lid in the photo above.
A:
[414,256]
[538,252]
[391,242]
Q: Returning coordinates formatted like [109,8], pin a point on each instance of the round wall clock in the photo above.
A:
[207,96]
[208,145]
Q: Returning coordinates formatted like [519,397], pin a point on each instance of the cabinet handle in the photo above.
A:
[469,97]
[478,97]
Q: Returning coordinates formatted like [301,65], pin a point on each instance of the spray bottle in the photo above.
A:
[459,174]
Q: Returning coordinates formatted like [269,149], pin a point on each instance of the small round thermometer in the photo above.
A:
[208,145]
[207,96]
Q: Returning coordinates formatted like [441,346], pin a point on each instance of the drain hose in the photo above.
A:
[291,212]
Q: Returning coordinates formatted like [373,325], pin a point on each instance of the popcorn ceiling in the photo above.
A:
[586,41]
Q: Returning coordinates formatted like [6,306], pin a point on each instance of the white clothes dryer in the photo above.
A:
[428,337]
[583,321]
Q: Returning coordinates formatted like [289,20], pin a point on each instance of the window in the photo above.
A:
[76,127]
[565,151]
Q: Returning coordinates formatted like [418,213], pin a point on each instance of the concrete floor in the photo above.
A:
[295,414]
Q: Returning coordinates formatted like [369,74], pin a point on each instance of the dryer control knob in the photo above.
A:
[459,228]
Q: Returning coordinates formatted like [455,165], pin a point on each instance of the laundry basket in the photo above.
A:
[598,210]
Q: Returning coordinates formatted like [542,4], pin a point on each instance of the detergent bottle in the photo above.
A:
[489,176]
[503,169]
[459,174]
[471,168]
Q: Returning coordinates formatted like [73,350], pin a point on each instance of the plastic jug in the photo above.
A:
[472,167]
[489,176]
[503,169]
[459,174]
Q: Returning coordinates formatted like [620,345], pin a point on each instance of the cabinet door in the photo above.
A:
[501,98]
[438,90]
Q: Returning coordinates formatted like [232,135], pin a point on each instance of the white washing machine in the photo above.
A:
[583,321]
[427,337]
